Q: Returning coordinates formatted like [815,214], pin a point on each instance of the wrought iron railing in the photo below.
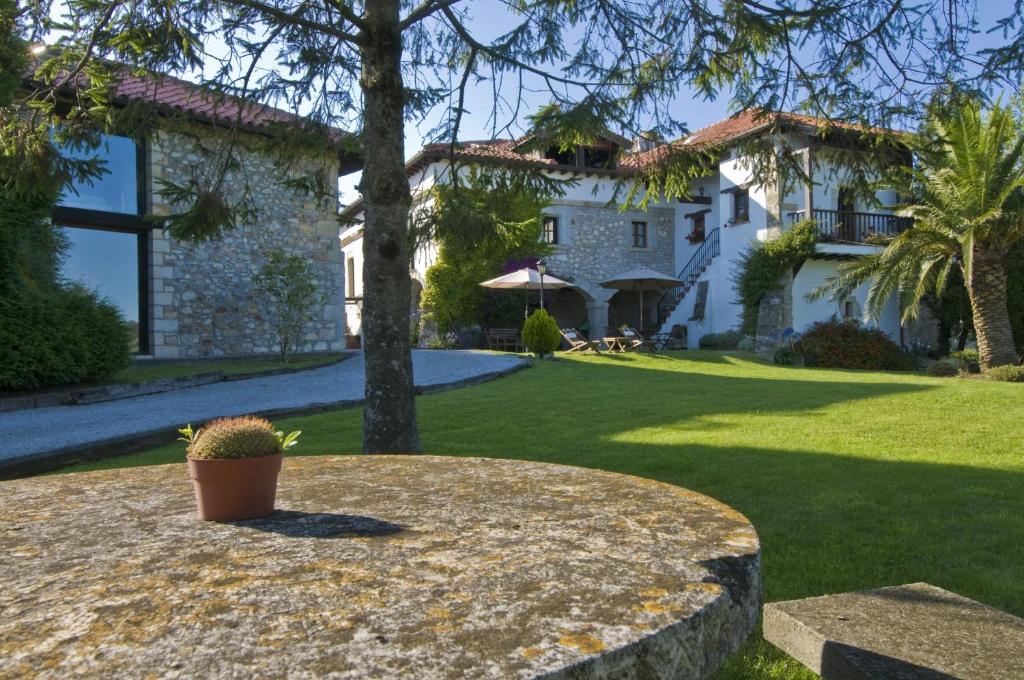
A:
[689,274]
[854,227]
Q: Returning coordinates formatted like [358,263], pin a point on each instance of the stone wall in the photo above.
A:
[774,316]
[202,302]
[597,243]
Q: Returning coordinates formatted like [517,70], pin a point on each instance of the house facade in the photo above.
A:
[699,239]
[190,300]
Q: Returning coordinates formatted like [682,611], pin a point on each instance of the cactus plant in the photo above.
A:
[240,437]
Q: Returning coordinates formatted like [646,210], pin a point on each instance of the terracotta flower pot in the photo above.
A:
[235,488]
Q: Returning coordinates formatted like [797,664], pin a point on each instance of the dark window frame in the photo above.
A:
[350,277]
[640,239]
[549,230]
[699,227]
[101,220]
[741,215]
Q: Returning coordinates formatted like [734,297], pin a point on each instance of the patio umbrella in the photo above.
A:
[525,279]
[639,280]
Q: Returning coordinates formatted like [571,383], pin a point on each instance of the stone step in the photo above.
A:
[909,632]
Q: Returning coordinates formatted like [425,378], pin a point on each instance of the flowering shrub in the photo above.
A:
[844,344]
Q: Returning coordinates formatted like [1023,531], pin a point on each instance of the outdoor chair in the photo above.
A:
[578,343]
[635,341]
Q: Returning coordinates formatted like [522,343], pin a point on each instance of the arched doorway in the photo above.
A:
[624,309]
[569,307]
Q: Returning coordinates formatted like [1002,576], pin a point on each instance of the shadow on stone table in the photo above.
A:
[297,524]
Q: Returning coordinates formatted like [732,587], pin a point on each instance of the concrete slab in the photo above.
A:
[909,632]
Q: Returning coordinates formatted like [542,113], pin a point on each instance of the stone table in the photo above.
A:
[375,566]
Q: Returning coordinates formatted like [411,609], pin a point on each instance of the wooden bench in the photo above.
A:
[911,632]
[505,339]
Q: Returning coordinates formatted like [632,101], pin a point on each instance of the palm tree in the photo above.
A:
[968,212]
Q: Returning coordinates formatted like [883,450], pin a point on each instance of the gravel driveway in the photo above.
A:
[38,431]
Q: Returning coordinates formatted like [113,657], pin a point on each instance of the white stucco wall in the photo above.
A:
[807,312]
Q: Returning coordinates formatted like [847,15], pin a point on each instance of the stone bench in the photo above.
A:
[910,632]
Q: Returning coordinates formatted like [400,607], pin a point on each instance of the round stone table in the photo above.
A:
[375,567]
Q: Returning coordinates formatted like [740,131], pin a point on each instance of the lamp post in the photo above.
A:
[541,268]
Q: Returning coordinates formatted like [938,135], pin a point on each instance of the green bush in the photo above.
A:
[286,285]
[61,336]
[787,356]
[541,334]
[480,225]
[1006,373]
[844,344]
[942,369]
[746,344]
[967,360]
[726,340]
[764,263]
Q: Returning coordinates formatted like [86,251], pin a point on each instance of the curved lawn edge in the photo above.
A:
[48,461]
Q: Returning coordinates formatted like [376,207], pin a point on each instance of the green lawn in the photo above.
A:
[853,479]
[141,371]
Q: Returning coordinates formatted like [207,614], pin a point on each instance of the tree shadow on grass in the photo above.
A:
[839,477]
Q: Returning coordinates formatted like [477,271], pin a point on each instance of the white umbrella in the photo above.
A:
[639,280]
[526,279]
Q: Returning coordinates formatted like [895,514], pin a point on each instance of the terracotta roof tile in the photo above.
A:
[198,102]
[733,128]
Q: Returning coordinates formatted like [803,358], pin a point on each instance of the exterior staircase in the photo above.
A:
[689,275]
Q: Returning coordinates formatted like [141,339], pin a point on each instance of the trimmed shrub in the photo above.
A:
[746,344]
[844,344]
[1006,373]
[541,334]
[787,356]
[942,369]
[61,336]
[726,340]
[967,360]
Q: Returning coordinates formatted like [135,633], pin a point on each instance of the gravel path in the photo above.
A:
[37,431]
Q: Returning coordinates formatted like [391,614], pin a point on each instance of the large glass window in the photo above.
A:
[108,262]
[117,189]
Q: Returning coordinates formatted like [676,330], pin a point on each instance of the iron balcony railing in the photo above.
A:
[854,227]
[689,274]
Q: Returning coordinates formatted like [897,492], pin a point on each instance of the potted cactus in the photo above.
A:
[233,464]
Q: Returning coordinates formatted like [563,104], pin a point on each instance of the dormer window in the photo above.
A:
[596,157]
[561,156]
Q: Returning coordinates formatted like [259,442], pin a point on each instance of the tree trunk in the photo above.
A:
[389,419]
[987,290]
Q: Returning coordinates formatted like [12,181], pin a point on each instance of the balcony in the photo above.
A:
[853,227]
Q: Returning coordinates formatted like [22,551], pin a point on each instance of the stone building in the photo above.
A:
[196,299]
[698,239]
